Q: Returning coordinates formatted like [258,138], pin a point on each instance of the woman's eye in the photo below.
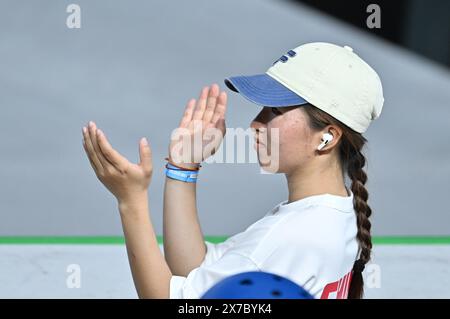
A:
[276,111]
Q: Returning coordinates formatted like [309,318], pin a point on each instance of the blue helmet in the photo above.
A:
[256,285]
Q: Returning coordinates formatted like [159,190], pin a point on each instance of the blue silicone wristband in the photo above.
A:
[184,176]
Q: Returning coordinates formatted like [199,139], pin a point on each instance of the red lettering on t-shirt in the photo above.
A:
[338,289]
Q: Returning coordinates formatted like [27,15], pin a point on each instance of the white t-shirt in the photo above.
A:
[311,241]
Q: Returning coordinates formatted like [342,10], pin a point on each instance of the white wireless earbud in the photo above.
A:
[326,138]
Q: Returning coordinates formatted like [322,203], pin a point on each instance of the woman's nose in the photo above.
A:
[260,120]
[255,125]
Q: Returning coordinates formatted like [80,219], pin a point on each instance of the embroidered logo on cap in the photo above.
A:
[284,58]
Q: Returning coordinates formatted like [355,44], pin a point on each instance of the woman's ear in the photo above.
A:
[335,132]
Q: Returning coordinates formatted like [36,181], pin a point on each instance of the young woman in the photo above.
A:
[317,101]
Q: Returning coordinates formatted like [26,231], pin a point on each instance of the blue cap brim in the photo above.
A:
[263,90]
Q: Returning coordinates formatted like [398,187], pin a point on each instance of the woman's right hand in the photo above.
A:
[201,129]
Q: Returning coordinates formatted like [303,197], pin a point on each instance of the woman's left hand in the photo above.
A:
[125,180]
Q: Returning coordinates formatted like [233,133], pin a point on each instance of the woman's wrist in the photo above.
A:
[188,174]
[135,204]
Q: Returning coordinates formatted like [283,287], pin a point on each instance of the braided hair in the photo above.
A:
[352,162]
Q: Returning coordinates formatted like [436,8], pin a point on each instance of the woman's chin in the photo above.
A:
[268,165]
[269,169]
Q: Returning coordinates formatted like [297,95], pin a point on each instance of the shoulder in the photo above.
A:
[314,222]
[316,230]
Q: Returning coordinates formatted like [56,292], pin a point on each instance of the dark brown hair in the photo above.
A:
[352,162]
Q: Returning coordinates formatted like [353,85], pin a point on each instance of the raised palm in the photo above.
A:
[201,129]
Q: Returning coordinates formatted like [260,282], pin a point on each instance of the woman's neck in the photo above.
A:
[312,181]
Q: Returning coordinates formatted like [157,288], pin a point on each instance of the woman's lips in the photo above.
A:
[257,140]
[258,144]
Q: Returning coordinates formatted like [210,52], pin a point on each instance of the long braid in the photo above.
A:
[363,211]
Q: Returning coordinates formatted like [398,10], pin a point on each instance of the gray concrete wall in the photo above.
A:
[133,65]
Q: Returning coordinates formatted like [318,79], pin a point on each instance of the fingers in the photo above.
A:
[104,159]
[90,151]
[201,104]
[220,125]
[219,112]
[93,136]
[111,155]
[188,112]
[87,153]
[145,155]
[211,103]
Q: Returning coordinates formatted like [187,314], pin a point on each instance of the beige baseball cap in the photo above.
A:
[330,77]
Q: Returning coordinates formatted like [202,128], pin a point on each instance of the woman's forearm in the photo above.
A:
[150,271]
[204,118]
[129,182]
[184,248]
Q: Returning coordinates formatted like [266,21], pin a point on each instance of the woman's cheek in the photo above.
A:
[293,146]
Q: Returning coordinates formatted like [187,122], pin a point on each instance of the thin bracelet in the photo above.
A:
[182,168]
